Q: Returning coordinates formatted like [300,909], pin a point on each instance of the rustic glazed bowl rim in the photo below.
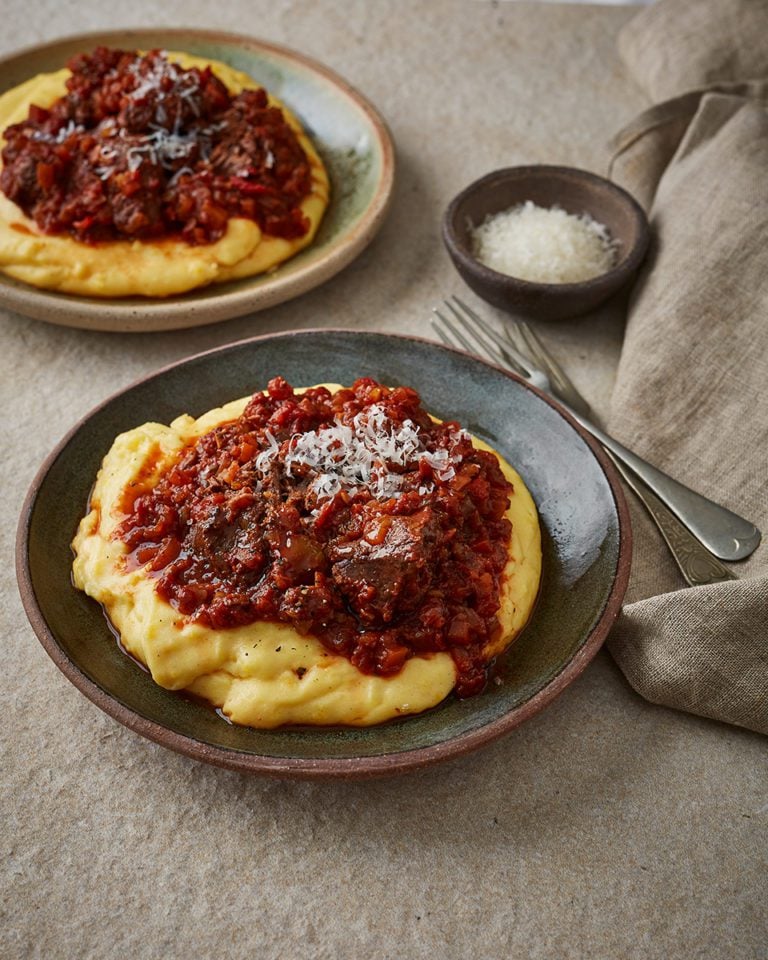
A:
[236,297]
[325,768]
[626,265]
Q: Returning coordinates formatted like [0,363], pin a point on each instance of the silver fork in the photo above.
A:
[697,564]
[696,520]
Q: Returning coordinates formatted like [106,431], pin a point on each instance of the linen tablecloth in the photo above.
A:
[604,827]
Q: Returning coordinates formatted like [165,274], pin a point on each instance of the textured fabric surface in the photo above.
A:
[692,385]
[675,46]
[641,151]
[605,828]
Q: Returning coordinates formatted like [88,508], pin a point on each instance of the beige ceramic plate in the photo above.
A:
[348,132]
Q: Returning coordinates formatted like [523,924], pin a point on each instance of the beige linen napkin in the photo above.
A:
[692,385]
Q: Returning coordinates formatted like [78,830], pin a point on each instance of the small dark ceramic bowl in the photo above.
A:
[576,192]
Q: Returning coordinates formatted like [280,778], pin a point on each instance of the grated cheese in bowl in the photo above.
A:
[544,245]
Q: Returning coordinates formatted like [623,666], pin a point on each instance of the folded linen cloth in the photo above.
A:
[679,45]
[692,384]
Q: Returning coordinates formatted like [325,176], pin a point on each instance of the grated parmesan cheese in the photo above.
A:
[162,73]
[544,245]
[361,455]
[66,131]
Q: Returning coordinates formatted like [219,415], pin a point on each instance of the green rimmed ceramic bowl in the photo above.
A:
[586,543]
[348,132]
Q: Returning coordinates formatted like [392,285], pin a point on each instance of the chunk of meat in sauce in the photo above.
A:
[389,578]
[233,548]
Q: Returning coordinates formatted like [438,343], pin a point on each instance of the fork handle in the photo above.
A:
[726,534]
[697,564]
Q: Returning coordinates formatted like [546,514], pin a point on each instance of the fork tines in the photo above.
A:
[518,348]
[477,335]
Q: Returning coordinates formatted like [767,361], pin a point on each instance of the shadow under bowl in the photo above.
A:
[576,192]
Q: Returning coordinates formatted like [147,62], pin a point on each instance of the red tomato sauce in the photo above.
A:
[351,516]
[140,148]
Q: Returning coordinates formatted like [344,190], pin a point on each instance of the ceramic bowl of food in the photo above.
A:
[585,555]
[579,194]
[349,135]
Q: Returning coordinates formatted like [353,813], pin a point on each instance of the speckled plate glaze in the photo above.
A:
[349,134]
[586,541]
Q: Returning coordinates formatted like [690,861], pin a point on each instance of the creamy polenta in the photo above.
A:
[266,674]
[149,267]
